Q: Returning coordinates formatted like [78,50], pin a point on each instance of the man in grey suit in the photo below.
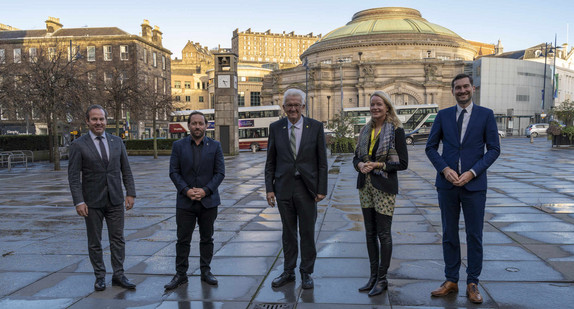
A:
[101,160]
[296,175]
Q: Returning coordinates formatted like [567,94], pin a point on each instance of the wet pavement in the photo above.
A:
[528,240]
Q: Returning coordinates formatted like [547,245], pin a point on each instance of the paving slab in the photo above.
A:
[528,240]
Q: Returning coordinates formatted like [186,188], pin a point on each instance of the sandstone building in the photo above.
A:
[273,50]
[189,80]
[100,50]
[392,49]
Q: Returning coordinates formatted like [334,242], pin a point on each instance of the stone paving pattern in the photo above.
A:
[528,239]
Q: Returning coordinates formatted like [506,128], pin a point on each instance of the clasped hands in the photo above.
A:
[195,194]
[367,167]
[457,180]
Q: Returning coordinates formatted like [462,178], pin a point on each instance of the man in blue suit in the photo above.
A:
[465,130]
[196,169]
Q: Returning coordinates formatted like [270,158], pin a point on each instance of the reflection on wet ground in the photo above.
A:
[528,253]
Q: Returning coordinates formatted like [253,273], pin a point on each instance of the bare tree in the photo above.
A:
[155,101]
[120,91]
[50,83]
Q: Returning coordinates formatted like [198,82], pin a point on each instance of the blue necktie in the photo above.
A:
[459,123]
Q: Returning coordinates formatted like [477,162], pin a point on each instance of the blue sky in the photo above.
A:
[519,24]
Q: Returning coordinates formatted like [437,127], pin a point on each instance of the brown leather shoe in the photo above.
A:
[446,288]
[473,294]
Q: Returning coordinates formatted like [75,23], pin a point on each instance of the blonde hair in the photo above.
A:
[391,112]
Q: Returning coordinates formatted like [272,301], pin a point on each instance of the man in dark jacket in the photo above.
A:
[196,169]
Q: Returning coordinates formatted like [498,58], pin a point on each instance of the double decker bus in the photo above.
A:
[412,116]
[253,123]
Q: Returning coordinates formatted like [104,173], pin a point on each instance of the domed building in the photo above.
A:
[392,49]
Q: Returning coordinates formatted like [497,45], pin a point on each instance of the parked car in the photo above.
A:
[536,129]
[419,135]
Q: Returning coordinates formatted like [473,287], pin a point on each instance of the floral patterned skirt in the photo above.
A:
[383,202]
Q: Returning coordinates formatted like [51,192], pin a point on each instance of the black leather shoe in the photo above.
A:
[100,284]
[123,282]
[283,279]
[306,281]
[176,281]
[209,278]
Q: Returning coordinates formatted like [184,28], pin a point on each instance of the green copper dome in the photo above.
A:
[388,20]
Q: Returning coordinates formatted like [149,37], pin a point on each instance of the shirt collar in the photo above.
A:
[298,124]
[94,136]
[468,108]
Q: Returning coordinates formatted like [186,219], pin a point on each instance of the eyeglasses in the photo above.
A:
[290,106]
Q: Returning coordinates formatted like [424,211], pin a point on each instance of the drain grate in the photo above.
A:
[274,306]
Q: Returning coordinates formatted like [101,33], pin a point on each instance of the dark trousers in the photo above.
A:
[299,208]
[186,220]
[472,203]
[114,215]
[379,240]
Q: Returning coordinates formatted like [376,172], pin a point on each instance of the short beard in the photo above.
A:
[464,102]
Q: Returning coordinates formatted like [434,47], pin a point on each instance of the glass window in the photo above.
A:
[124,52]
[187,85]
[17,55]
[2,56]
[33,52]
[200,98]
[177,84]
[187,98]
[154,59]
[145,55]
[255,99]
[52,52]
[241,98]
[163,62]
[91,53]
[107,53]
[177,98]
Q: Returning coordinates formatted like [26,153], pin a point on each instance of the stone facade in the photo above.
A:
[189,80]
[280,50]
[389,49]
[102,51]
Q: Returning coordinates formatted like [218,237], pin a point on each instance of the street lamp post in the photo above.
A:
[341,75]
[544,80]
[328,107]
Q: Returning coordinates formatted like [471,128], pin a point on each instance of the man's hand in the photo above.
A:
[196,194]
[130,201]
[82,210]
[319,198]
[465,178]
[271,199]
[451,175]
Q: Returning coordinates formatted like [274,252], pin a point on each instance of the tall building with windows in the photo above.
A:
[272,50]
[189,81]
[102,51]
[249,83]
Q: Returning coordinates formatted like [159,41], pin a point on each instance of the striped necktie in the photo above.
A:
[293,142]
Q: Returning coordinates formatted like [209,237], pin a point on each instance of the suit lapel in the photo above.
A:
[90,143]
[283,138]
[304,133]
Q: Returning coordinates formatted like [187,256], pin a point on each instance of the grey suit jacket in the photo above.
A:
[99,184]
[311,161]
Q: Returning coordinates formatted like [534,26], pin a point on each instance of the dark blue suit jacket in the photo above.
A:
[481,131]
[210,173]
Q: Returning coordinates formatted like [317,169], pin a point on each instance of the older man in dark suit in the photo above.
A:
[97,167]
[470,145]
[196,169]
[296,178]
